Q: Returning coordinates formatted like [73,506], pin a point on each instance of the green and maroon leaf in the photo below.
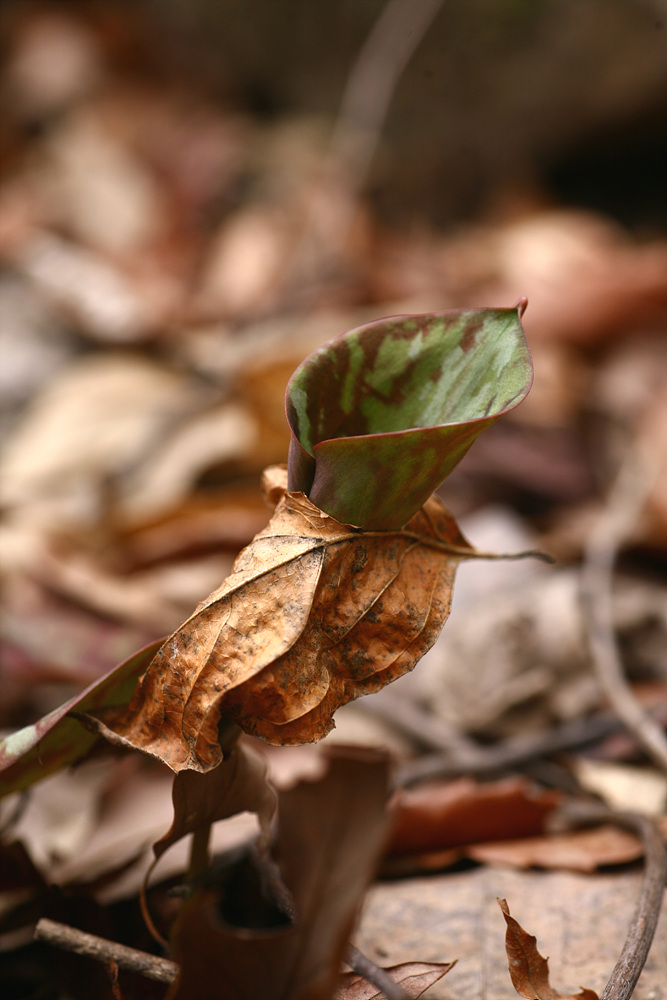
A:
[380,416]
[59,739]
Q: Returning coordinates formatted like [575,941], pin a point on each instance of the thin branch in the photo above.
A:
[367,968]
[626,500]
[366,100]
[370,86]
[644,921]
[71,939]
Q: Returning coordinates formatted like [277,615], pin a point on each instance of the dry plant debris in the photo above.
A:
[528,969]
[167,261]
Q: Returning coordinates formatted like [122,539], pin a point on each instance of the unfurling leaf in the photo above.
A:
[314,614]
[380,416]
[528,969]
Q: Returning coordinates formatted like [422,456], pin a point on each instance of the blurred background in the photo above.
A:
[195,195]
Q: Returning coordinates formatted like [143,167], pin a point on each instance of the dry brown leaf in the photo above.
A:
[580,850]
[435,817]
[414,977]
[239,784]
[528,969]
[329,839]
[314,614]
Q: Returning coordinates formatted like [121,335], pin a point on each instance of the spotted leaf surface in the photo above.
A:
[314,614]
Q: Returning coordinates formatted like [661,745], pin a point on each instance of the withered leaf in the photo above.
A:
[239,784]
[330,835]
[437,816]
[414,977]
[314,614]
[528,969]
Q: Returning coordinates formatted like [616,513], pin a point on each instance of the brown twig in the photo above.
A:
[626,500]
[644,921]
[367,968]
[72,939]
[640,934]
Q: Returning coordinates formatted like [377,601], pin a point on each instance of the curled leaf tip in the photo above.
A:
[381,415]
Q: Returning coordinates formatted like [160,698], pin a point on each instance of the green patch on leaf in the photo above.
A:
[59,739]
[380,416]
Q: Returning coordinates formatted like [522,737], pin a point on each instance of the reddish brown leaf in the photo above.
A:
[528,969]
[330,836]
[314,614]
[414,977]
[435,817]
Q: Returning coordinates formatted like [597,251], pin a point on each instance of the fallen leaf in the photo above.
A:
[380,416]
[414,977]
[329,839]
[59,739]
[580,850]
[528,969]
[314,614]
[434,817]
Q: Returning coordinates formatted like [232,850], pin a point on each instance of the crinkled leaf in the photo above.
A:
[414,977]
[330,837]
[314,614]
[58,739]
[529,971]
[380,416]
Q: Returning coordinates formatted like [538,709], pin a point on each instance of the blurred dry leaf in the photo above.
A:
[414,977]
[98,418]
[529,971]
[624,787]
[581,850]
[314,614]
[104,301]
[92,186]
[434,817]
[329,838]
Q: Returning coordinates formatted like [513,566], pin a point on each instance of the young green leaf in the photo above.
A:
[380,416]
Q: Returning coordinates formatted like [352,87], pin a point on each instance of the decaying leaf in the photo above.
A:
[59,739]
[314,614]
[434,817]
[329,839]
[381,415]
[576,850]
[414,977]
[528,969]
[238,785]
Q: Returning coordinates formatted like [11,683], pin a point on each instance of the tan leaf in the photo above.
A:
[578,850]
[414,977]
[528,969]
[238,785]
[314,614]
